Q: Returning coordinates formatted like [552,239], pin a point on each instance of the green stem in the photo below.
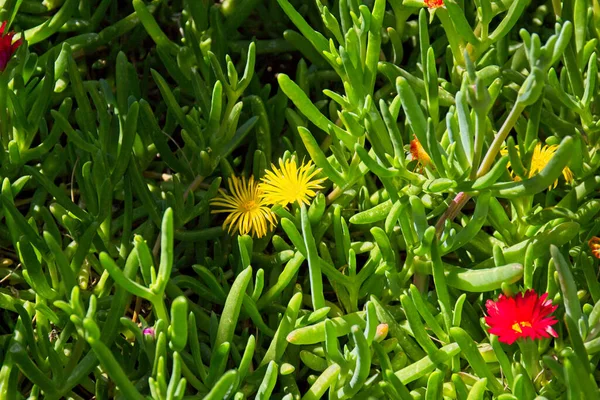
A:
[83,369]
[401,14]
[557,6]
[530,357]
[479,136]
[573,71]
[193,186]
[236,12]
[522,207]
[457,204]
[160,309]
[502,134]
[421,281]
[334,194]
[4,134]
[152,27]
[452,35]
[484,33]
[314,264]
[105,229]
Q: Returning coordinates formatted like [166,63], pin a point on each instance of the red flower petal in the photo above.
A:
[7,47]
[524,316]
[434,3]
[594,245]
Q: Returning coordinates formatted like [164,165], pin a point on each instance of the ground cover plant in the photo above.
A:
[287,199]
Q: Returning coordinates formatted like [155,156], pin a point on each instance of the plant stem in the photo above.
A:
[457,204]
[421,281]
[193,186]
[160,309]
[334,194]
[452,35]
[4,134]
[461,198]
[529,357]
[479,136]
[502,134]
[556,5]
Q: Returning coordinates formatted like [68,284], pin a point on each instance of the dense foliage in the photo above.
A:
[285,199]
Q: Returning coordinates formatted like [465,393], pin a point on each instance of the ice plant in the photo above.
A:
[290,183]
[523,316]
[418,153]
[7,47]
[249,212]
[432,4]
[594,244]
[540,158]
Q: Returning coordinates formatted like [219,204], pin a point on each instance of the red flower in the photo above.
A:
[523,316]
[594,244]
[7,47]
[434,3]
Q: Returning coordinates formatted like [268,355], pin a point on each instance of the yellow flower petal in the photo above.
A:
[248,212]
[290,183]
[539,159]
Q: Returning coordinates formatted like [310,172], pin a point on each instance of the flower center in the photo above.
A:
[293,191]
[249,205]
[298,194]
[523,324]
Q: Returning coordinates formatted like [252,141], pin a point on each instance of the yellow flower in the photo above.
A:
[540,158]
[248,211]
[290,183]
